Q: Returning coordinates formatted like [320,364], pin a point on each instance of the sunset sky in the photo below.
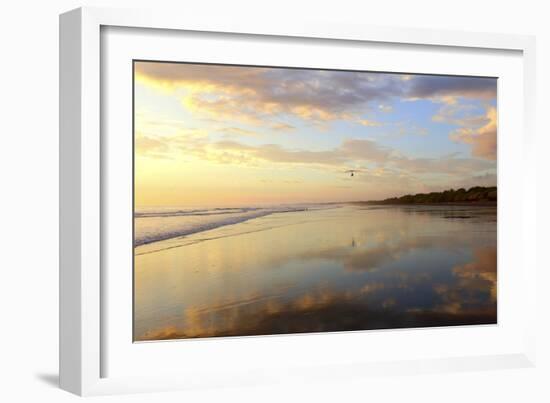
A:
[208,135]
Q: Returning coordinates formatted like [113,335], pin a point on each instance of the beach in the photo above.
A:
[324,268]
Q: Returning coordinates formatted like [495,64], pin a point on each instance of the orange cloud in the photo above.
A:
[483,139]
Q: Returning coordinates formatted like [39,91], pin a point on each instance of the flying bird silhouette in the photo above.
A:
[352,172]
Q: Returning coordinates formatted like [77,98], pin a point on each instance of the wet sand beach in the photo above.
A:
[346,268]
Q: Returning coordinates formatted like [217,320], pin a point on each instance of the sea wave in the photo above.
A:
[192,212]
[161,224]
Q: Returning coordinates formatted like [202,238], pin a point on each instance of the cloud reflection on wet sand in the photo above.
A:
[318,312]
[394,277]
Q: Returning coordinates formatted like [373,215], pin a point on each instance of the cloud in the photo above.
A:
[147,123]
[431,86]
[151,146]
[482,138]
[448,164]
[237,131]
[237,101]
[170,76]
[350,150]
[253,94]
[280,126]
[367,122]
[376,164]
[474,128]
[459,114]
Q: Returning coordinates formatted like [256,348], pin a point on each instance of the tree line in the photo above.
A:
[472,195]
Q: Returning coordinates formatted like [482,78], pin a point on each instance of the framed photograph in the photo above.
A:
[254,203]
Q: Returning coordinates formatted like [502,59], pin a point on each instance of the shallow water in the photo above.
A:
[347,268]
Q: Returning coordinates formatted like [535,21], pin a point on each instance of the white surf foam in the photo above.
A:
[153,225]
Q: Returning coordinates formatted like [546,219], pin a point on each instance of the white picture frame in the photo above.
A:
[83,309]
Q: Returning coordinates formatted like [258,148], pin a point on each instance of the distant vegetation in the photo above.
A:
[477,194]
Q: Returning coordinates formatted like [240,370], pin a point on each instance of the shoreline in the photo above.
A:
[145,243]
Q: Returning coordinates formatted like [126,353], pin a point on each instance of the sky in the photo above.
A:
[219,135]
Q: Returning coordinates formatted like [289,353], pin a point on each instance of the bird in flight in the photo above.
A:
[351,172]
